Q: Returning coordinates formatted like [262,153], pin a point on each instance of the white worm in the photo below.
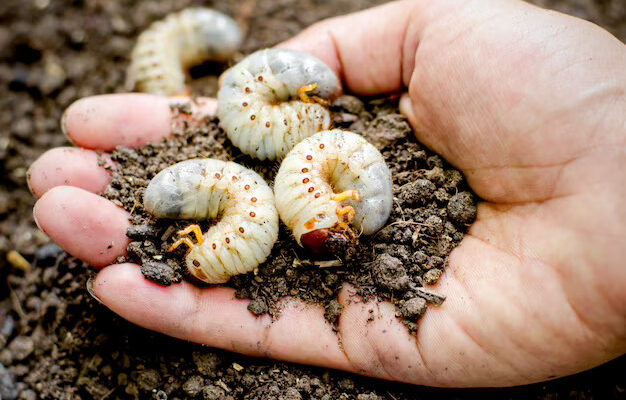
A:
[256,103]
[328,181]
[207,189]
[166,50]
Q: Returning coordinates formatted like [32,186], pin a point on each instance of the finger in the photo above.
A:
[213,316]
[130,119]
[371,51]
[69,166]
[84,224]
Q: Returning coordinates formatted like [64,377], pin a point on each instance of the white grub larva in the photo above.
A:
[166,50]
[327,182]
[201,189]
[273,99]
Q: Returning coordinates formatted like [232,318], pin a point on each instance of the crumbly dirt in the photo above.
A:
[432,209]
[56,342]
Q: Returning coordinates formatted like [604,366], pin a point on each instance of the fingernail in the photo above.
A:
[64,126]
[92,293]
[35,218]
[405,103]
[28,175]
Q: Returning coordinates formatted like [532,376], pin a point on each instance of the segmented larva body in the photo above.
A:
[323,178]
[257,103]
[166,50]
[206,189]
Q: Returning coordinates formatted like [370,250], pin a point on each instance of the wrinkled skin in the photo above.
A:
[529,104]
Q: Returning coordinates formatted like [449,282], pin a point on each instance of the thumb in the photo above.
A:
[368,50]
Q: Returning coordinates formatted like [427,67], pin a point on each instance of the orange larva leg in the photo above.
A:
[302,92]
[348,212]
[305,98]
[195,229]
[180,241]
[346,195]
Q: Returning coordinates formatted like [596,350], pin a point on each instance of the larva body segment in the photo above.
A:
[315,179]
[256,103]
[200,189]
[166,50]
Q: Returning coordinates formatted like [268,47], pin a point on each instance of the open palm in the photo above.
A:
[529,104]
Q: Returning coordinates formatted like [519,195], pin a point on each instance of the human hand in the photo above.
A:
[528,103]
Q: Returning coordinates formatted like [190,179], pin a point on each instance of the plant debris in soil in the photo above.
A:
[433,207]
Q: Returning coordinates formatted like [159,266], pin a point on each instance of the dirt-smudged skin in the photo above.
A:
[312,180]
[166,50]
[257,103]
[202,189]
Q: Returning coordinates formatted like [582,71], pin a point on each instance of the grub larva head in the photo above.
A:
[294,69]
[219,33]
[298,69]
[326,241]
[171,193]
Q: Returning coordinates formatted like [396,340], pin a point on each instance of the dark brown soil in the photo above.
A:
[55,340]
[432,209]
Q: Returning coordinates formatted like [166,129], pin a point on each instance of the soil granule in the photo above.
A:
[56,342]
[395,264]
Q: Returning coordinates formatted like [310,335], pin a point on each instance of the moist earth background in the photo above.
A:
[58,342]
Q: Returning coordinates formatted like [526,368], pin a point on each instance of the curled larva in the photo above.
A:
[273,99]
[200,189]
[168,47]
[328,182]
